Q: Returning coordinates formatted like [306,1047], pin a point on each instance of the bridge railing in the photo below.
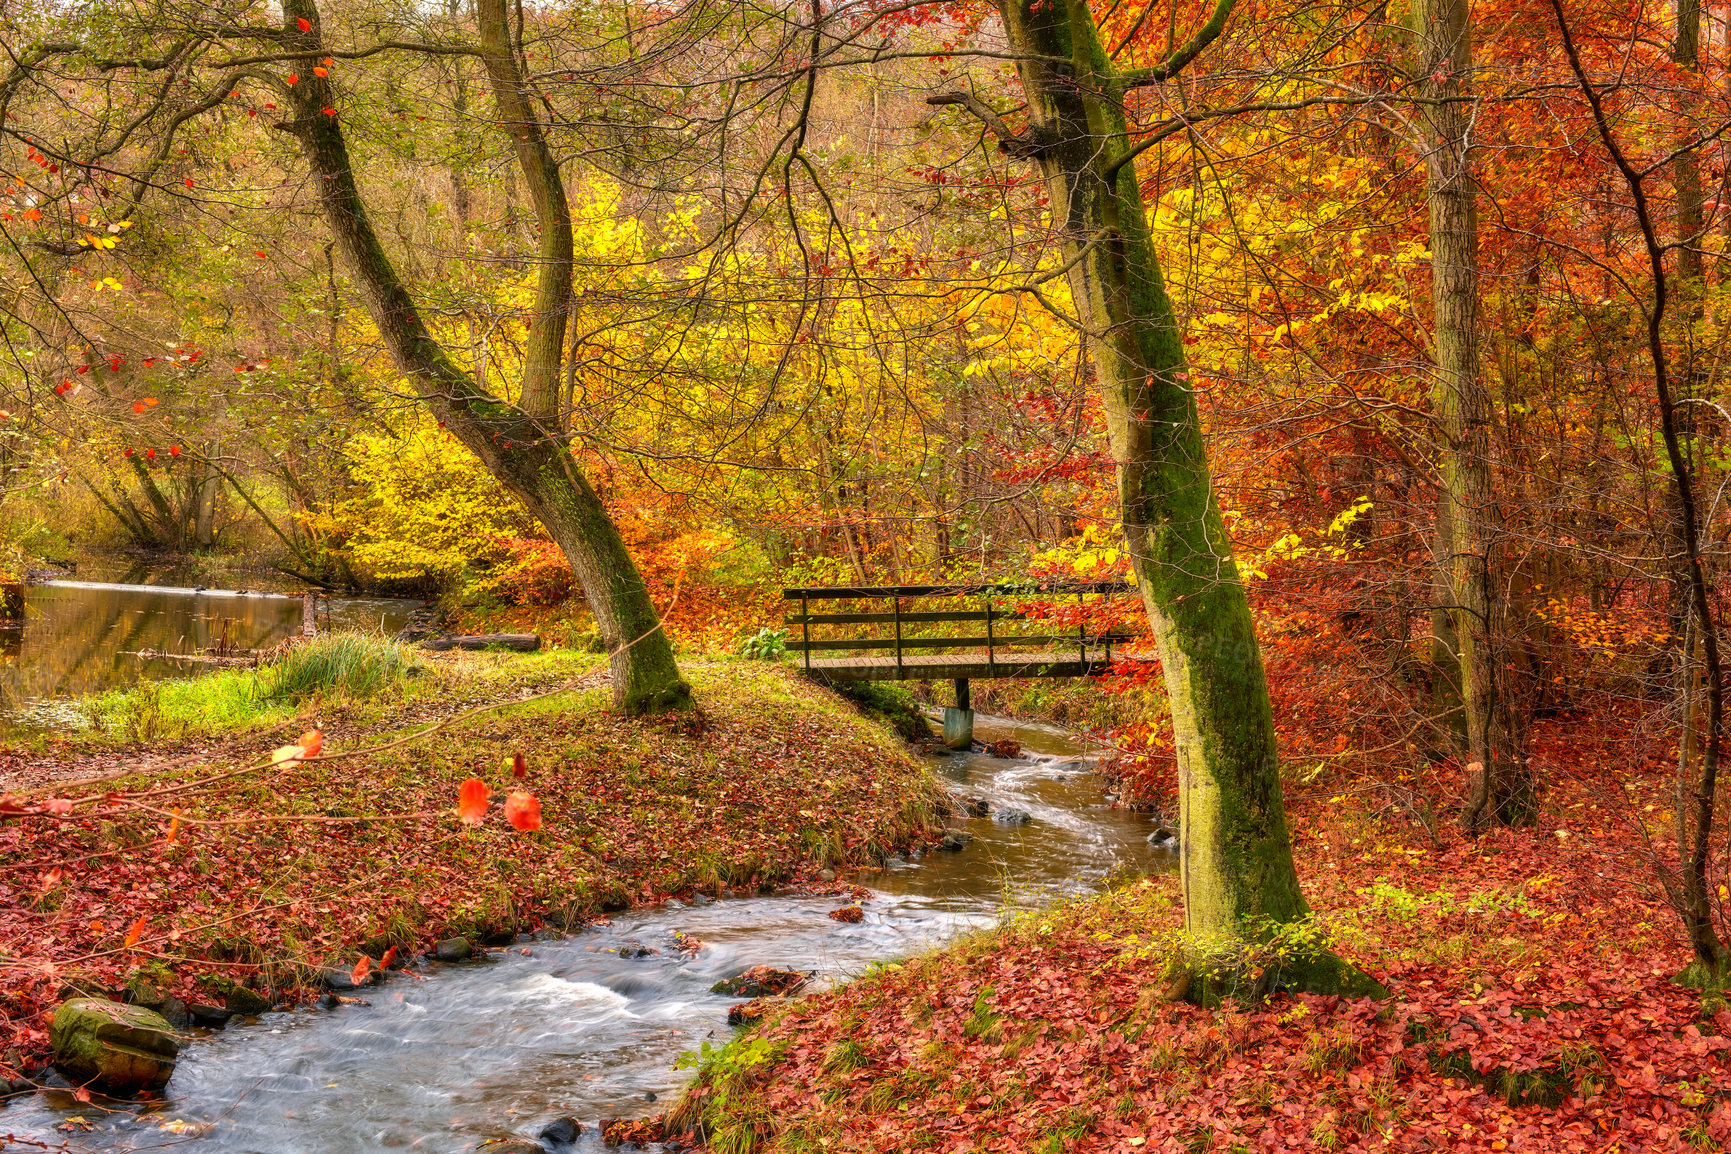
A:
[995,609]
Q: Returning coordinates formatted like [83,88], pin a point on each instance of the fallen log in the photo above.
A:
[520,642]
[231,661]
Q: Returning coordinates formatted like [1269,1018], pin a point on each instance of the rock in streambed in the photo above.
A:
[121,1048]
[453,950]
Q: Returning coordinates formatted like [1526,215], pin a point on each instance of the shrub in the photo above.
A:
[765,645]
[534,573]
[427,512]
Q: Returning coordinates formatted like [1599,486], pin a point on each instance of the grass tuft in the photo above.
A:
[329,668]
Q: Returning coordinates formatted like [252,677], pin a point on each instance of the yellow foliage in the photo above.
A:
[426,509]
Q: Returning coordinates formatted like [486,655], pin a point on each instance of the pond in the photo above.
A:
[576,1027]
[85,636]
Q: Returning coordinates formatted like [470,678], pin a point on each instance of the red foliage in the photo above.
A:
[536,573]
[523,812]
[473,800]
[1548,1023]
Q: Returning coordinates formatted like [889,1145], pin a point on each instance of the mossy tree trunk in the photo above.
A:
[520,444]
[1237,868]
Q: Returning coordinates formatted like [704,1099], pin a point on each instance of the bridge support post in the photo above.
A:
[959,718]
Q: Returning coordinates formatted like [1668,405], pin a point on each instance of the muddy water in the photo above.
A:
[81,637]
[497,1048]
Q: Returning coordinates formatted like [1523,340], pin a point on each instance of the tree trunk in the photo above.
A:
[1448,716]
[1236,866]
[1691,202]
[1711,968]
[1498,787]
[513,443]
[544,347]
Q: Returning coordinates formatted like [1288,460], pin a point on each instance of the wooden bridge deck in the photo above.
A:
[964,666]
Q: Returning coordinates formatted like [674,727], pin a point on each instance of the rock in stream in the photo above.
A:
[121,1048]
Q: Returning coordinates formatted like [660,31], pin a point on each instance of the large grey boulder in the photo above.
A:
[121,1048]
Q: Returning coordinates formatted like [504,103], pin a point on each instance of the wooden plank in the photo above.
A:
[1024,588]
[872,618]
[996,641]
[951,666]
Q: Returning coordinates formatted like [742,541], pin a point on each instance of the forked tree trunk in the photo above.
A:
[1236,856]
[521,447]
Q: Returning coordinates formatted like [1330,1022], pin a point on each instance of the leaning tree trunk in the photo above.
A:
[1236,855]
[520,446]
[1498,786]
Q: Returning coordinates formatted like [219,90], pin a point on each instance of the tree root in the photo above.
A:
[1322,972]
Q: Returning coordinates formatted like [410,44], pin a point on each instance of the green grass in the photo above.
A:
[357,666]
[890,702]
[331,668]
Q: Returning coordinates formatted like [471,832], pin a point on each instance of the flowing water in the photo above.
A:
[81,637]
[498,1047]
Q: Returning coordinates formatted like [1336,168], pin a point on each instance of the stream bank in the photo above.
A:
[773,782]
[590,1025]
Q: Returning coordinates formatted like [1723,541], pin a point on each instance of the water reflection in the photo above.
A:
[81,637]
[497,1048]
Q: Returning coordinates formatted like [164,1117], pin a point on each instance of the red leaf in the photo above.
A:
[390,956]
[294,78]
[136,932]
[311,742]
[58,805]
[303,24]
[519,766]
[360,972]
[523,812]
[472,801]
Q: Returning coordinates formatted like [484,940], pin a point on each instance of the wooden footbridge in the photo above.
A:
[919,648]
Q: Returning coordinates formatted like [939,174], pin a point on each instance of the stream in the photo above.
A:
[499,1047]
